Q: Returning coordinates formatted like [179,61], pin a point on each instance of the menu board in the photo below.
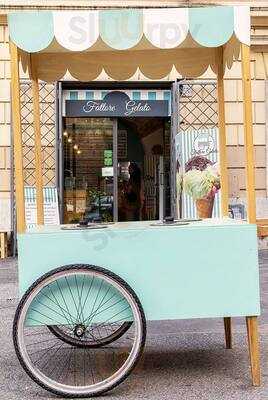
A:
[51,206]
[5,214]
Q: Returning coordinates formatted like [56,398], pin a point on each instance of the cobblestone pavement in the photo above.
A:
[183,359]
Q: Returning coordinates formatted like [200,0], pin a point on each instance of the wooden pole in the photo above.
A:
[248,134]
[223,166]
[16,125]
[37,144]
[228,332]
[254,349]
[222,134]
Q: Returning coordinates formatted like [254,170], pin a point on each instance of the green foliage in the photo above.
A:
[93,195]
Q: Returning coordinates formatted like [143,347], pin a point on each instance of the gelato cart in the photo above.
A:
[87,291]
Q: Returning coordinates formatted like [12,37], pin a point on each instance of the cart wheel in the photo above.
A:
[108,334]
[83,301]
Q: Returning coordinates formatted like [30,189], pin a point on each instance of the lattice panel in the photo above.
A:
[48,133]
[198,105]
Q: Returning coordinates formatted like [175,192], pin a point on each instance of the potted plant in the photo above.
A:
[201,181]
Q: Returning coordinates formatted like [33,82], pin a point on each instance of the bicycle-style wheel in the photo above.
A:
[104,335]
[88,304]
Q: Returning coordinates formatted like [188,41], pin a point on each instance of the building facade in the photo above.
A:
[234,118]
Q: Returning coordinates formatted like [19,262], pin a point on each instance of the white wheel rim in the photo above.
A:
[88,389]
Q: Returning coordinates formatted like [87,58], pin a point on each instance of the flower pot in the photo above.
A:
[205,207]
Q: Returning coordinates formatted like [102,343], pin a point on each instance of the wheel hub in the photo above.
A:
[79,330]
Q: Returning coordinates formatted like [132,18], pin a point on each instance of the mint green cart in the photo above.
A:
[87,293]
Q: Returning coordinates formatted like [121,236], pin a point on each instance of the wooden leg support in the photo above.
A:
[228,332]
[254,349]
[3,244]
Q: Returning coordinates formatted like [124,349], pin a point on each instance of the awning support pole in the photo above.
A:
[222,134]
[223,166]
[37,144]
[17,133]
[248,134]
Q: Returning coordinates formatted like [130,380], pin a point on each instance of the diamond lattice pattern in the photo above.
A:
[198,106]
[48,134]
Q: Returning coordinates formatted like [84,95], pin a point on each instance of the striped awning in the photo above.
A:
[120,41]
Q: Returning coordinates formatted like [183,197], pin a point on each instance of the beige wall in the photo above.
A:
[234,118]
[235,132]
[5,135]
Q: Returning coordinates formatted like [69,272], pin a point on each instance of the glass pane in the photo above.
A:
[88,169]
[143,168]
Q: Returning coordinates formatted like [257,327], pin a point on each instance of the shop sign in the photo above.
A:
[51,207]
[107,171]
[117,104]
[108,158]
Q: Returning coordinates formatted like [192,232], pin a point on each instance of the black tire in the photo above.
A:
[21,314]
[73,341]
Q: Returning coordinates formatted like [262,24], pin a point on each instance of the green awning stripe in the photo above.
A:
[124,29]
[121,29]
[31,31]
[213,26]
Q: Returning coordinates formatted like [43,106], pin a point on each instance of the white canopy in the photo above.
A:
[122,41]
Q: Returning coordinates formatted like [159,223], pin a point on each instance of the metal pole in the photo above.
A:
[59,152]
[161,187]
[115,169]
[173,133]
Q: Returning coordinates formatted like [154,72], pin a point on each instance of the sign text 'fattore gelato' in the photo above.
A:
[117,104]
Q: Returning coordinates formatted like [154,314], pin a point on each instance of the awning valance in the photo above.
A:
[120,41]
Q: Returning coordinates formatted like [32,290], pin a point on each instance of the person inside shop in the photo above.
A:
[132,195]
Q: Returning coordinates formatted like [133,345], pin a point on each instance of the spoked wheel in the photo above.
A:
[104,335]
[85,305]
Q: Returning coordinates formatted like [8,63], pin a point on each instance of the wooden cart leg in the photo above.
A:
[254,349]
[228,332]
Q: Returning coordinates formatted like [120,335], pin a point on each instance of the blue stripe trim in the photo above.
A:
[89,95]
[151,95]
[136,95]
[73,95]
[103,94]
[50,194]
[167,95]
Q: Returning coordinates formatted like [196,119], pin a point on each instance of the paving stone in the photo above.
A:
[182,360]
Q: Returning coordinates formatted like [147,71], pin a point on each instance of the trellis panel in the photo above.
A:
[48,133]
[198,115]
[198,106]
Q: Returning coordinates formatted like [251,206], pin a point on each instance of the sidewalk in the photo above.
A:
[183,359]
